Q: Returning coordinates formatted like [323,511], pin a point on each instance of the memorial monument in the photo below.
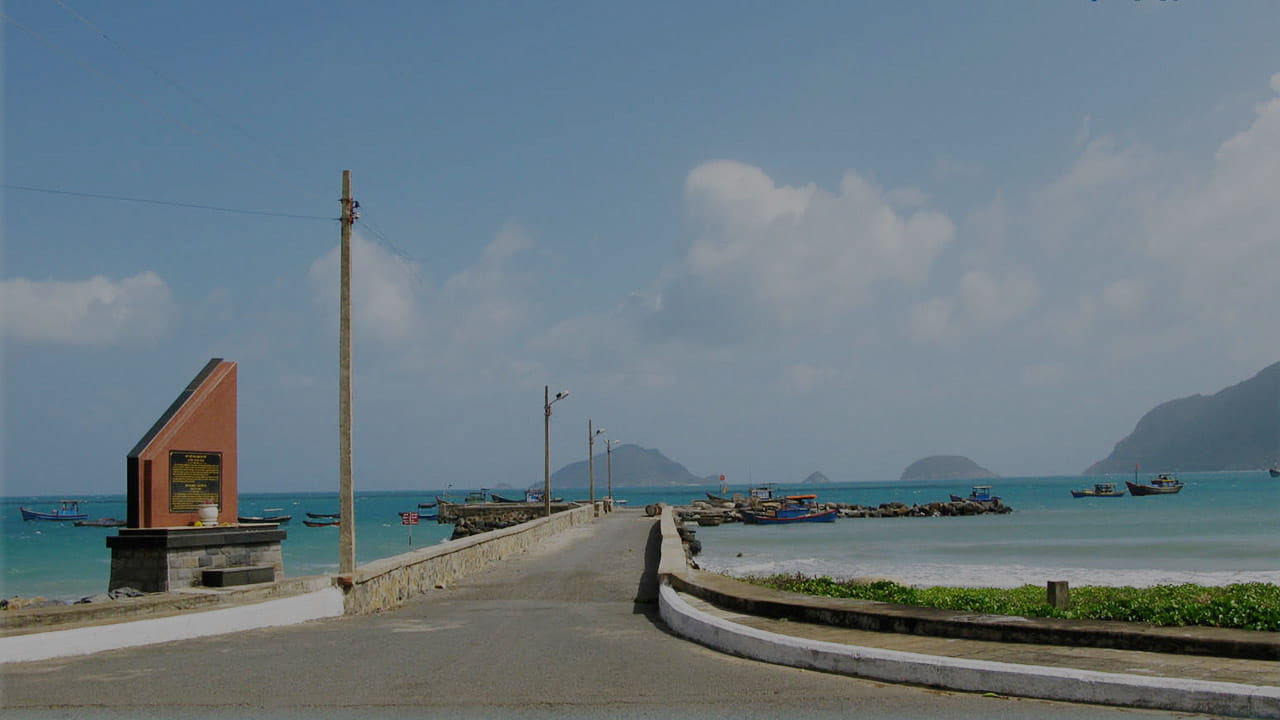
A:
[183,499]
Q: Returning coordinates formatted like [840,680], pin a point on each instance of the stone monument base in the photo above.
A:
[164,559]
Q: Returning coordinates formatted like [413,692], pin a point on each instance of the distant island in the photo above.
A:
[816,478]
[946,467]
[1237,428]
[633,466]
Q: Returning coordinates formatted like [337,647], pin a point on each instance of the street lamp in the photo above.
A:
[547,402]
[591,467]
[608,451]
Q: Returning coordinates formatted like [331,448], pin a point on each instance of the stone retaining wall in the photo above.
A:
[386,583]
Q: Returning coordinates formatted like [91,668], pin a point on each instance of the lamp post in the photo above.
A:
[591,467]
[547,402]
[608,452]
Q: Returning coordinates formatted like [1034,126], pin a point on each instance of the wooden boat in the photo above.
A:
[322,523]
[100,522]
[324,516]
[70,511]
[426,506]
[979,494]
[791,514]
[1162,484]
[277,519]
[710,519]
[1099,490]
[502,498]
[791,509]
[1275,472]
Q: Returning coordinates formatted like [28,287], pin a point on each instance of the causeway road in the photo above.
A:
[567,629]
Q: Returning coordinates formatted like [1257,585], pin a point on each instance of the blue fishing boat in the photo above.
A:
[792,509]
[979,494]
[70,510]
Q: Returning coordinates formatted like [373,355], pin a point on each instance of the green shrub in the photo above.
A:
[1249,606]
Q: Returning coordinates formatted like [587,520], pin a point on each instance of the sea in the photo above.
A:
[1222,528]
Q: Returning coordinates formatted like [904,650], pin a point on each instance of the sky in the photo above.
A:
[765,238]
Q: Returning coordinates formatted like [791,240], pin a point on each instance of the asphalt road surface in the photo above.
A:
[555,632]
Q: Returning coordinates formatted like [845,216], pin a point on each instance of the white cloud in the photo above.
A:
[984,302]
[1044,374]
[770,258]
[471,322]
[383,289]
[97,311]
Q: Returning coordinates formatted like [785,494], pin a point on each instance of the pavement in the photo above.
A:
[568,629]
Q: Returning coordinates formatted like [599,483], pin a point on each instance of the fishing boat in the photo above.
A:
[979,494]
[70,510]
[1104,489]
[502,498]
[253,519]
[100,522]
[322,523]
[791,509]
[426,506]
[324,516]
[1275,472]
[1162,484]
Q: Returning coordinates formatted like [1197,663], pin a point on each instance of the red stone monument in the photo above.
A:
[186,464]
[188,457]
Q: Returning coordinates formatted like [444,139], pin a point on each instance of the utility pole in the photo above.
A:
[591,468]
[346,493]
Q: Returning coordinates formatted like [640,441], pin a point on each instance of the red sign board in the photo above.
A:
[408,518]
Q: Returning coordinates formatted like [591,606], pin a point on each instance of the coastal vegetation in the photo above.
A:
[1246,606]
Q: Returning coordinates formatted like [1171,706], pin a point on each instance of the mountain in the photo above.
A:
[633,466]
[946,467]
[816,478]
[1238,428]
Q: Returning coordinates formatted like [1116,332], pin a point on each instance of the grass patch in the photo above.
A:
[1246,606]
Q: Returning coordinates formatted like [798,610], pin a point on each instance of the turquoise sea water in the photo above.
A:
[1223,527]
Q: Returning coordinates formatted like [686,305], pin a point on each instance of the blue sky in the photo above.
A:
[764,238]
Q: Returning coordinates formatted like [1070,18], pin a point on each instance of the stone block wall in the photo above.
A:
[386,583]
[160,560]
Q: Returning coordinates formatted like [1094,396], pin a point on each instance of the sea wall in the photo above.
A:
[386,583]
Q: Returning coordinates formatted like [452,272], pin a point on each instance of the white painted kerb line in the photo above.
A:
[82,641]
[1050,683]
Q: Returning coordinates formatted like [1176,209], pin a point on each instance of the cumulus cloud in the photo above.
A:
[383,289]
[467,321]
[97,311]
[984,302]
[771,258]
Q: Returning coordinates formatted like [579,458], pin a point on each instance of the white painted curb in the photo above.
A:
[1049,683]
[324,603]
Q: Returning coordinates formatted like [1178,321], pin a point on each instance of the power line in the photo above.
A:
[168,80]
[100,196]
[126,91]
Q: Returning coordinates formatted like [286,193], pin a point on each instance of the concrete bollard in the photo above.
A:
[1059,594]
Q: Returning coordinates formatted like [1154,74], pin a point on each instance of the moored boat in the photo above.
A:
[324,516]
[322,523]
[502,498]
[100,522]
[791,509]
[1162,484]
[1104,489]
[1275,472]
[979,494]
[253,519]
[70,510]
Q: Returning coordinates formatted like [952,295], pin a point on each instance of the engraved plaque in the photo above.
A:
[194,478]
